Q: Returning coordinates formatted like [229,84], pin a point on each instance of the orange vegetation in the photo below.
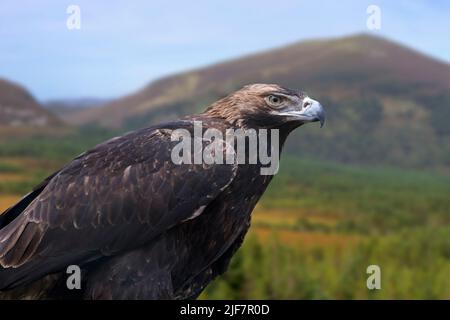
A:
[6,201]
[306,239]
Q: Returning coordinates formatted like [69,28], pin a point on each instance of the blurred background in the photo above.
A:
[370,188]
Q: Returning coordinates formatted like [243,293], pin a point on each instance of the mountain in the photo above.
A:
[386,103]
[18,108]
[63,108]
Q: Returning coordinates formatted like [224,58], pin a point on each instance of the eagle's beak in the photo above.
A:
[311,111]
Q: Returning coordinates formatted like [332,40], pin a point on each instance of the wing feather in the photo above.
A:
[116,197]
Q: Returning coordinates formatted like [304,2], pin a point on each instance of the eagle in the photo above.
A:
[138,225]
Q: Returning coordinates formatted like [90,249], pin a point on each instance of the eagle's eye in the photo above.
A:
[274,100]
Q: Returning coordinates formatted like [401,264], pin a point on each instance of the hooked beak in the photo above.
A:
[311,111]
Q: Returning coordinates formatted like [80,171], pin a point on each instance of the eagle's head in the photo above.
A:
[268,106]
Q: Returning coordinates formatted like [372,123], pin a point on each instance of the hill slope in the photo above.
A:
[63,108]
[19,108]
[386,103]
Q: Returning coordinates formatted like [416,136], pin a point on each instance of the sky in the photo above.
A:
[123,45]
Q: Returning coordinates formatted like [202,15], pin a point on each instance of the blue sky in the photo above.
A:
[122,45]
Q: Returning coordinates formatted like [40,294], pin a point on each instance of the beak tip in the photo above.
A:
[322,117]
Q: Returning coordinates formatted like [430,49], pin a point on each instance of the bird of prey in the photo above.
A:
[136,224]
